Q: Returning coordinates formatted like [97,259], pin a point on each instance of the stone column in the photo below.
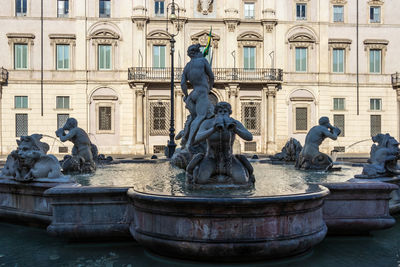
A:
[233,95]
[140,93]
[264,120]
[271,146]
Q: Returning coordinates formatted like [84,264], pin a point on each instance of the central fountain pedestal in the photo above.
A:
[228,228]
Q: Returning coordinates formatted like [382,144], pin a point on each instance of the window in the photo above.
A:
[338,14]
[62,102]
[249,10]
[301,58]
[62,57]
[301,119]
[159,8]
[338,121]
[21,102]
[104,57]
[375,14]
[338,60]
[338,104]
[20,7]
[301,11]
[62,8]
[159,116]
[375,104]
[104,8]
[251,116]
[105,119]
[20,56]
[61,120]
[249,57]
[375,124]
[21,125]
[375,60]
[159,56]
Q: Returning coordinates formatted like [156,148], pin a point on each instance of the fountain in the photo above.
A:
[290,152]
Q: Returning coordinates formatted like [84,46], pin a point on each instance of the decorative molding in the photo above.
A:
[140,21]
[375,2]
[250,38]
[338,2]
[158,37]
[205,6]
[104,36]
[269,24]
[375,44]
[301,39]
[62,39]
[269,13]
[105,97]
[202,37]
[231,23]
[179,23]
[24,38]
[339,43]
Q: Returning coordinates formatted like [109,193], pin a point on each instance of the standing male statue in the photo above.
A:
[310,157]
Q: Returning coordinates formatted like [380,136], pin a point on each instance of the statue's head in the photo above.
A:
[223,109]
[193,50]
[324,121]
[70,124]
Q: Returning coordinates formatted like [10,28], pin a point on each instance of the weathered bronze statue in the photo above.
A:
[82,158]
[310,157]
[290,152]
[218,165]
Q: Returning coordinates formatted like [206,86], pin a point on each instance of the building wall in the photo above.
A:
[131,26]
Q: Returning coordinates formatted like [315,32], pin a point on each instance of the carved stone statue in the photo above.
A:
[205,6]
[218,166]
[310,157]
[198,72]
[30,161]
[82,157]
[383,158]
[290,152]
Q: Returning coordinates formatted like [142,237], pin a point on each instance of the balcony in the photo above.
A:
[142,74]
[396,80]
[3,76]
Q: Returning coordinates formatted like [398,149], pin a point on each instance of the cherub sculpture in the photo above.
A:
[218,165]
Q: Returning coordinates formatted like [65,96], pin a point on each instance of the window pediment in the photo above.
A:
[301,39]
[62,39]
[375,2]
[375,44]
[338,2]
[104,34]
[25,38]
[250,39]
[339,43]
[158,37]
[202,38]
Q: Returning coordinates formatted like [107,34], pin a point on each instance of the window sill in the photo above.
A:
[105,132]
[106,70]
[375,110]
[300,132]
[63,109]
[339,110]
[22,109]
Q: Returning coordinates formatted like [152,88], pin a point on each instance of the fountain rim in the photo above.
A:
[297,197]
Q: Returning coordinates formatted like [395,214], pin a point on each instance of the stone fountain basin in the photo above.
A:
[229,228]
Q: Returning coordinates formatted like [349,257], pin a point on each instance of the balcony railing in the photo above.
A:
[396,80]
[221,74]
[3,75]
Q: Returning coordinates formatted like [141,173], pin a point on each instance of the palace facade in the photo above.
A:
[281,64]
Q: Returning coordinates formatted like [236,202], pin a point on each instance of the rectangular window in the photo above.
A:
[338,104]
[20,7]
[159,8]
[338,13]
[159,56]
[375,60]
[21,102]
[105,119]
[301,58]
[249,57]
[62,102]
[62,8]
[20,56]
[104,57]
[61,120]
[301,119]
[249,11]
[338,60]
[159,117]
[21,125]
[375,14]
[375,124]
[375,104]
[301,10]
[251,117]
[338,121]
[105,8]
[62,57]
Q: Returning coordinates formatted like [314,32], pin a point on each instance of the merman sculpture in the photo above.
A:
[310,157]
[383,158]
[218,166]
[30,162]
[198,72]
[290,152]
[81,160]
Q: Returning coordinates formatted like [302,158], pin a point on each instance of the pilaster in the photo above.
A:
[233,98]
[271,117]
[140,92]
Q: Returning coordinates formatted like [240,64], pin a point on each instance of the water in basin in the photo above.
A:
[162,178]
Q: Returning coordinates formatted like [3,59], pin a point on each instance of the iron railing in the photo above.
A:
[221,74]
[3,75]
[396,79]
